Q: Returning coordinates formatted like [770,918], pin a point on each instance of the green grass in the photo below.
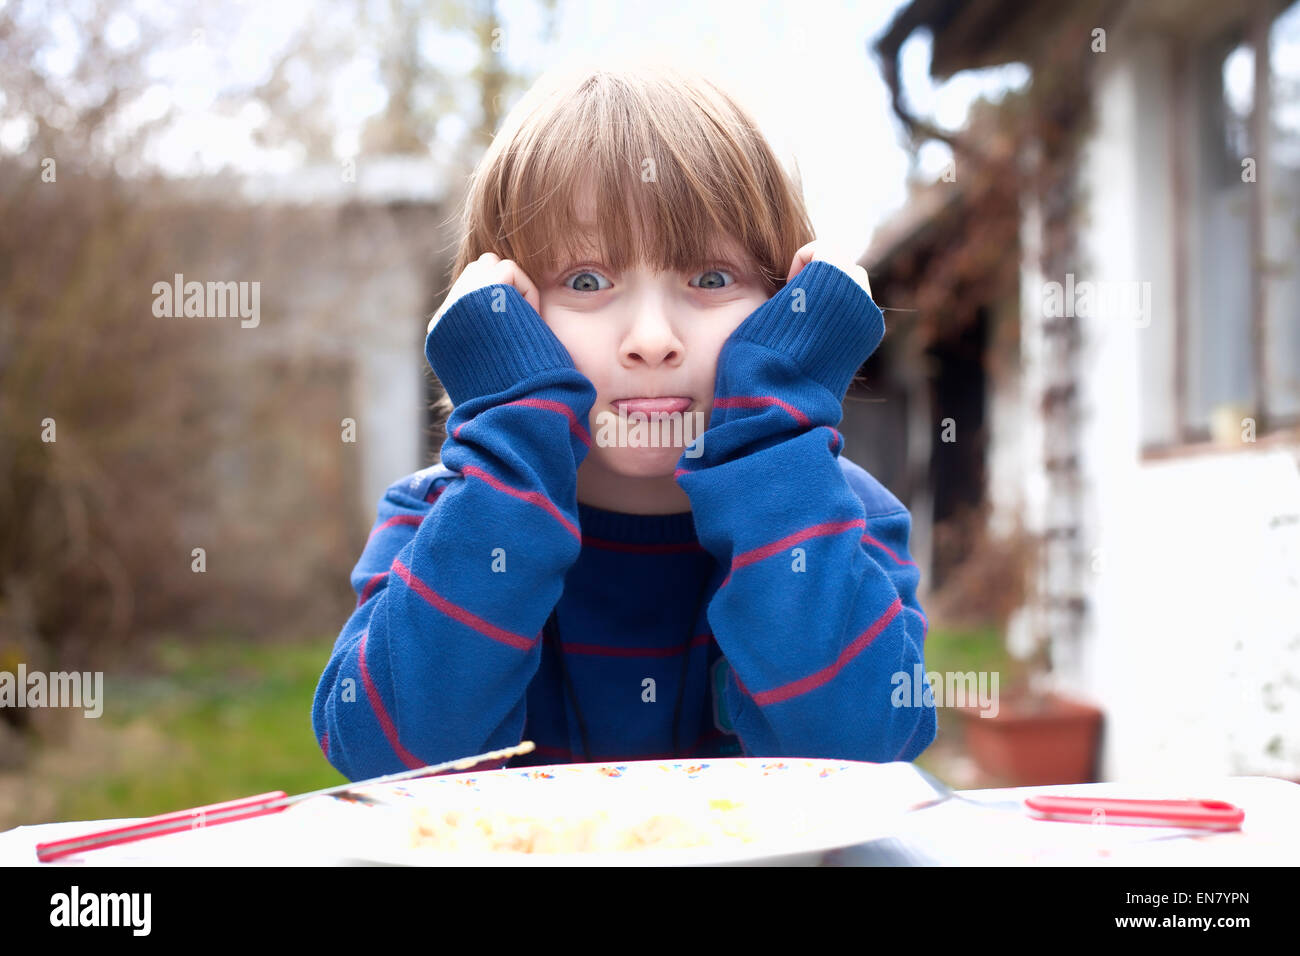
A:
[229,720]
[967,650]
[217,721]
[948,650]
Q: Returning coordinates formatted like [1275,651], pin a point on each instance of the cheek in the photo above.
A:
[587,359]
[719,333]
[736,314]
[580,347]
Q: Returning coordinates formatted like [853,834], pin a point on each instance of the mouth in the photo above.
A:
[662,405]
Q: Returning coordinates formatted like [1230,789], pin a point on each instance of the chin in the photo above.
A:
[642,462]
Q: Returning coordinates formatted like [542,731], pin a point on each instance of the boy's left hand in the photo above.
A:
[808,253]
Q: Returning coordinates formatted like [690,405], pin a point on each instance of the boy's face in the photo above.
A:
[645,334]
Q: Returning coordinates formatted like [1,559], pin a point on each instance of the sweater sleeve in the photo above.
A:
[455,585]
[817,614]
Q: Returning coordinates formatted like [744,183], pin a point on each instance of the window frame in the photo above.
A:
[1271,430]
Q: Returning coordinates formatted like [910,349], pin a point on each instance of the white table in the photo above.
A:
[955,832]
[959,833]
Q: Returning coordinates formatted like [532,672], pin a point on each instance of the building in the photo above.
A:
[371,241]
[1137,406]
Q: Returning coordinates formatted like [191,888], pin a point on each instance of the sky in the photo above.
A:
[805,72]
[803,69]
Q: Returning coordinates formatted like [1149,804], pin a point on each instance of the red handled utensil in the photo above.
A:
[1124,811]
[1195,814]
[242,809]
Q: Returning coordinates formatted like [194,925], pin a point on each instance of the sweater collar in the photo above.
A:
[599,525]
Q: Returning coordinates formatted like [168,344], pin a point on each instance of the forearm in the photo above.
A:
[436,660]
[812,625]
[813,628]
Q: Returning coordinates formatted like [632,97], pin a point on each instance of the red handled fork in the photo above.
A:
[244,808]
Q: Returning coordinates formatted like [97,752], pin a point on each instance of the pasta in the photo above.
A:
[711,822]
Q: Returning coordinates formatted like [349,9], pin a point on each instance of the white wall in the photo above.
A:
[387,387]
[1194,600]
[389,390]
[1198,612]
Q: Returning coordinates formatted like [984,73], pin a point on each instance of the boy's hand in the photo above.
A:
[808,253]
[488,269]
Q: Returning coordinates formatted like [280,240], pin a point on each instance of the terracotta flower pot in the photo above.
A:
[1036,740]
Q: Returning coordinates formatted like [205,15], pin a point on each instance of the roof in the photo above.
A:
[926,206]
[970,34]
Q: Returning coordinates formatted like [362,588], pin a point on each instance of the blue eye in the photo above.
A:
[587,277]
[716,272]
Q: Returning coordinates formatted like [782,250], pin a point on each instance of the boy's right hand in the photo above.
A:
[489,269]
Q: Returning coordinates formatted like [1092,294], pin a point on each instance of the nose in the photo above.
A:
[651,338]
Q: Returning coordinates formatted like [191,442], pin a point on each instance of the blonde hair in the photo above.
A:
[675,167]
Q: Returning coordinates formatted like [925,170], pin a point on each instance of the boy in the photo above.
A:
[740,590]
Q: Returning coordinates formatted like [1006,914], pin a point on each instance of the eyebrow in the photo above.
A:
[580,249]
[586,247]
[739,264]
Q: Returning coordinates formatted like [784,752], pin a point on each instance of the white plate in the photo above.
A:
[797,809]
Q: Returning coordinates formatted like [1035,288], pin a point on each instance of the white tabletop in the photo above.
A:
[960,833]
[955,832]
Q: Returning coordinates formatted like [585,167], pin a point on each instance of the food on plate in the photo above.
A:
[705,822]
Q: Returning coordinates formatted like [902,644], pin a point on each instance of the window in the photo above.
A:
[1282,246]
[1218,343]
[1239,341]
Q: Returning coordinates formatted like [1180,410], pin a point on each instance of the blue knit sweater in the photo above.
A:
[796,558]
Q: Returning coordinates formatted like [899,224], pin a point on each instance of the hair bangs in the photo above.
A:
[622,167]
[640,163]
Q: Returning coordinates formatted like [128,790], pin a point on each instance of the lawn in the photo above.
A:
[967,650]
[210,722]
[949,650]
[217,721]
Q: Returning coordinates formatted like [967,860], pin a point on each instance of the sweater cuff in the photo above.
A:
[477,350]
[828,332]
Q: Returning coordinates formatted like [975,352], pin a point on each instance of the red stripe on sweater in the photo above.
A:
[836,438]
[549,405]
[604,650]
[325,745]
[532,497]
[396,520]
[767,550]
[823,676]
[575,426]
[925,623]
[887,549]
[459,613]
[370,586]
[377,705]
[762,401]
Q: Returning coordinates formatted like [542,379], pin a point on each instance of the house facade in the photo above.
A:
[360,275]
[1147,429]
